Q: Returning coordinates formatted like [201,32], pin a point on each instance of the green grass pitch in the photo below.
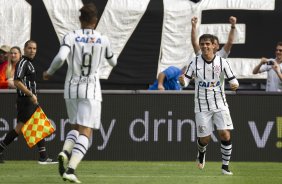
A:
[124,172]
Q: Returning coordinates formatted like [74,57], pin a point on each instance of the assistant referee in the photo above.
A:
[25,81]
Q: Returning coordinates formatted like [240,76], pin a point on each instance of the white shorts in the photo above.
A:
[205,122]
[85,112]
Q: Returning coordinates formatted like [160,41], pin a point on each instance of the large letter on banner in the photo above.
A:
[64,15]
[176,48]
[118,22]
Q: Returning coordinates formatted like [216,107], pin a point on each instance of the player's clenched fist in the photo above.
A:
[234,86]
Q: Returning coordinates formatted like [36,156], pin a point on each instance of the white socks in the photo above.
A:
[79,150]
[70,140]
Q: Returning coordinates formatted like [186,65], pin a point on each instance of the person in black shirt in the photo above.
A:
[25,82]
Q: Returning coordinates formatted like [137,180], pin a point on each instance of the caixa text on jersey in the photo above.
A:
[87,39]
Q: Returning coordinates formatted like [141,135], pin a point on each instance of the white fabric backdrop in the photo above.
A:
[15,22]
[120,19]
[176,39]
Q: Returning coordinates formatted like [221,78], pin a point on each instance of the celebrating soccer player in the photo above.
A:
[211,107]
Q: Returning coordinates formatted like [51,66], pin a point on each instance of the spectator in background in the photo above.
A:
[4,54]
[168,79]
[14,57]
[273,69]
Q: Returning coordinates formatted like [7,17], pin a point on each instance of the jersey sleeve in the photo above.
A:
[109,55]
[20,70]
[188,74]
[59,59]
[222,53]
[67,40]
[229,73]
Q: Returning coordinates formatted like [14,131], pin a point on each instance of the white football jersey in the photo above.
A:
[83,50]
[209,94]
[222,53]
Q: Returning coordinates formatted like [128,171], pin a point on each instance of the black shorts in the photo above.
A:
[25,109]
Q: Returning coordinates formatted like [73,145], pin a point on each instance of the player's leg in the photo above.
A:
[224,125]
[78,152]
[71,139]
[88,118]
[72,135]
[202,148]
[65,154]
[204,130]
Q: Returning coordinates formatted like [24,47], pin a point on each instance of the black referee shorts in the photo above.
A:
[25,108]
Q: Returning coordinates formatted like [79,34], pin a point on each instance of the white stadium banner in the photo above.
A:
[15,22]
[176,38]
[64,15]
[118,22]
[121,17]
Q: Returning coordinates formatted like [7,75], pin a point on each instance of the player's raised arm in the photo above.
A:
[194,39]
[231,35]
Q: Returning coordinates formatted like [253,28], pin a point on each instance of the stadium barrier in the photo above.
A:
[152,126]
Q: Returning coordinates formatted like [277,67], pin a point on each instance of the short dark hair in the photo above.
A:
[207,37]
[88,13]
[216,38]
[279,44]
[28,42]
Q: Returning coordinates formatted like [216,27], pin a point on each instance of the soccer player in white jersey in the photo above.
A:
[84,50]
[211,107]
[224,51]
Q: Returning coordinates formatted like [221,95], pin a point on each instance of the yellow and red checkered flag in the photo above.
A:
[37,128]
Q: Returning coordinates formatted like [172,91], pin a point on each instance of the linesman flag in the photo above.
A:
[37,127]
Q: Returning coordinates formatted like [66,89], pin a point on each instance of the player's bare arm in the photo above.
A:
[194,40]
[231,36]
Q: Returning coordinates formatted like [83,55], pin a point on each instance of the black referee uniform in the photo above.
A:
[26,73]
[24,79]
